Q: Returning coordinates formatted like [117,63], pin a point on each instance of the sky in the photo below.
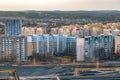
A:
[65,5]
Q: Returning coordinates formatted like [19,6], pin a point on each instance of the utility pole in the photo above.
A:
[76,72]
[97,64]
[34,61]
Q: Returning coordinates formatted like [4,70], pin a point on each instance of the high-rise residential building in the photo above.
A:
[53,45]
[13,27]
[43,45]
[100,47]
[13,48]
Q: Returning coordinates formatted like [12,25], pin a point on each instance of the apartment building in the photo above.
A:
[13,48]
[100,47]
[13,27]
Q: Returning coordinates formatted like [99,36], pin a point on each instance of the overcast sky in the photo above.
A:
[18,5]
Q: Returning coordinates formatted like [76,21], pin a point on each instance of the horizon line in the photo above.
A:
[57,10]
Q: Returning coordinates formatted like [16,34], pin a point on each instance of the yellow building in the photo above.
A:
[29,46]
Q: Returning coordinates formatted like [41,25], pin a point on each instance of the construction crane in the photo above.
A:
[11,72]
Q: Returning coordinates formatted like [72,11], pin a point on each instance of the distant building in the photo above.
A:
[77,33]
[39,31]
[25,31]
[13,27]
[60,31]
[116,32]
[29,31]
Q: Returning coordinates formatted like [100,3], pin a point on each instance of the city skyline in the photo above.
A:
[65,5]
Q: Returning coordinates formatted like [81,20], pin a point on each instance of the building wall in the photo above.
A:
[41,46]
[29,46]
[62,44]
[80,49]
[35,41]
[71,46]
[87,47]
[117,45]
[56,40]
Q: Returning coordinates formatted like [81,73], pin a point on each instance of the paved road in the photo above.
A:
[91,77]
